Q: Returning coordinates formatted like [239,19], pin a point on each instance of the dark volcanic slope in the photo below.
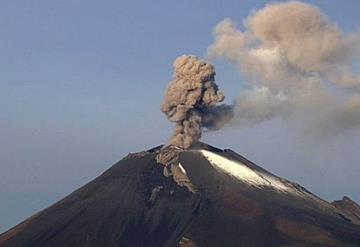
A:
[210,198]
[349,207]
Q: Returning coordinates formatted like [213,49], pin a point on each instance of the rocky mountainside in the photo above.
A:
[202,196]
[349,207]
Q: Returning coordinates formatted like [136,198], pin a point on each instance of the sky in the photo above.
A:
[81,83]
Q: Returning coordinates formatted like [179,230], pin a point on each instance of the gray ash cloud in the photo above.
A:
[191,101]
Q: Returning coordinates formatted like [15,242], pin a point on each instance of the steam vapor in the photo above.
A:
[297,63]
[190,101]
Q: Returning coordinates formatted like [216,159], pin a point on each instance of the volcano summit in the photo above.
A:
[202,196]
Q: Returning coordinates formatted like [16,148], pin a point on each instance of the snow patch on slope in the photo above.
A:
[255,178]
[242,172]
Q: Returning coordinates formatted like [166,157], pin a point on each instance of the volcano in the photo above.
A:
[202,196]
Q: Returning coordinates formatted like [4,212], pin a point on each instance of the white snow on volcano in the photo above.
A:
[245,174]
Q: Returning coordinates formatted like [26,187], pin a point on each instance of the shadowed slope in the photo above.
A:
[139,202]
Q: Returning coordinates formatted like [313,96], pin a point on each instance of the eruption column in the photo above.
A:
[190,101]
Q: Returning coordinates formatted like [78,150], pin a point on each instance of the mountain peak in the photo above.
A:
[349,207]
[201,196]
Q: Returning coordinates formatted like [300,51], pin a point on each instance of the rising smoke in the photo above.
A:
[297,63]
[190,101]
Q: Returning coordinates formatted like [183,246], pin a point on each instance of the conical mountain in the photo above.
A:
[202,196]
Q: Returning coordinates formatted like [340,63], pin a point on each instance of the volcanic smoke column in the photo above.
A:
[190,101]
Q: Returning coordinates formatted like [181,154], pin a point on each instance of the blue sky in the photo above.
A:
[82,81]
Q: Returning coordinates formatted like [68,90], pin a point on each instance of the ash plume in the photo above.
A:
[190,101]
[296,63]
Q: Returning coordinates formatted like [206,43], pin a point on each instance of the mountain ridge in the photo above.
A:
[196,198]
